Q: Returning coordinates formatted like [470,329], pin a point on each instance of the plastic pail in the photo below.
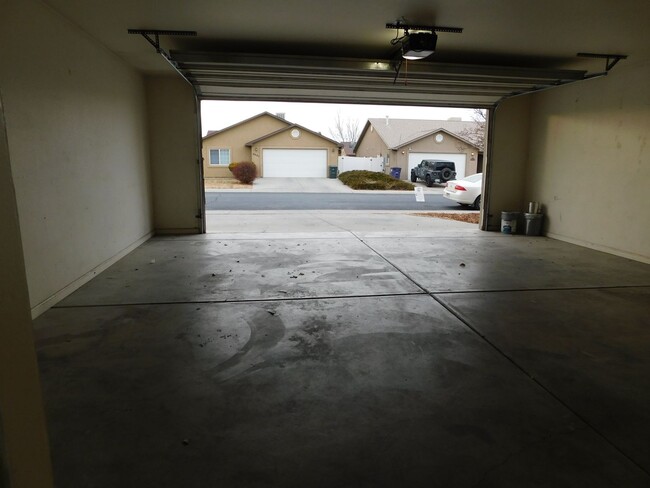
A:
[509,222]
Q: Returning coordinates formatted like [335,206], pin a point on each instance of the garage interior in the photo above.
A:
[137,351]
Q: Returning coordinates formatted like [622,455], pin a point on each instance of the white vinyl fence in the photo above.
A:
[350,163]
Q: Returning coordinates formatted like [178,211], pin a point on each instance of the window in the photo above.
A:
[219,157]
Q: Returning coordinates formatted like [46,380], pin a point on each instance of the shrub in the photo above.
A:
[245,172]
[371,180]
[231,166]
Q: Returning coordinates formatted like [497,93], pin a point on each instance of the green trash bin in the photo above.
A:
[334,172]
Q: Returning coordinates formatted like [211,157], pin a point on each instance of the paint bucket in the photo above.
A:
[533,223]
[509,222]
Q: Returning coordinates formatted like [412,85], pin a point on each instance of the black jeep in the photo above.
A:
[434,171]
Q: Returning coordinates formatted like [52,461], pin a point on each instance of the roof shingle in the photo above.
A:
[398,132]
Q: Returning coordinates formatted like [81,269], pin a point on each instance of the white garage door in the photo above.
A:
[459,159]
[294,163]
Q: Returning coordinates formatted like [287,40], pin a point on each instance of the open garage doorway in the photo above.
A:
[297,151]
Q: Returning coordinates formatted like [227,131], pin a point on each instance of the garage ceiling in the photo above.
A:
[325,50]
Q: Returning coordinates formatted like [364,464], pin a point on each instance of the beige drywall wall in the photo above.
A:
[76,126]
[174,137]
[507,160]
[590,161]
[24,451]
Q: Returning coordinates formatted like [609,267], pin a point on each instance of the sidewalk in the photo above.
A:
[310,185]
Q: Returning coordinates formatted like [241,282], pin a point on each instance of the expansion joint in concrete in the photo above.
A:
[537,382]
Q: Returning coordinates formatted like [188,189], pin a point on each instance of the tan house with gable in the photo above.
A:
[404,143]
[277,147]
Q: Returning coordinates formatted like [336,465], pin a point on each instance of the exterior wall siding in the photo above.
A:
[372,145]
[235,139]
[449,145]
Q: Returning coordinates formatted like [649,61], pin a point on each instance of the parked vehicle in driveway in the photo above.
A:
[434,171]
[466,191]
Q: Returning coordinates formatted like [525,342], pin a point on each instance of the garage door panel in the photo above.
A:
[294,163]
[459,159]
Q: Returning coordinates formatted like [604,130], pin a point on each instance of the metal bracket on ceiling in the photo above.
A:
[610,59]
[155,42]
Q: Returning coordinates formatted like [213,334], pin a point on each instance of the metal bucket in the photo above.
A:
[533,223]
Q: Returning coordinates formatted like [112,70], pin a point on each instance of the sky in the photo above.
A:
[318,117]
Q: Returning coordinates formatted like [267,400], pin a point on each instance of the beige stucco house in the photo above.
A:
[403,143]
[277,147]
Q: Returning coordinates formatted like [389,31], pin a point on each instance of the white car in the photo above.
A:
[466,191]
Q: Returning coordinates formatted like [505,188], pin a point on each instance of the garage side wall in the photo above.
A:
[590,161]
[76,128]
[507,160]
[175,160]
[24,452]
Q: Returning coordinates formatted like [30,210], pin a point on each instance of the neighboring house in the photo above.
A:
[277,147]
[403,143]
[347,149]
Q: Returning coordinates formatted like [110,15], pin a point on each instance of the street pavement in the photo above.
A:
[322,194]
[326,201]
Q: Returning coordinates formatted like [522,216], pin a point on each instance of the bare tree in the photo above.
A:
[476,134]
[345,130]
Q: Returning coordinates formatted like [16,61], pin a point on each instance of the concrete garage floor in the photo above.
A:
[346,355]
